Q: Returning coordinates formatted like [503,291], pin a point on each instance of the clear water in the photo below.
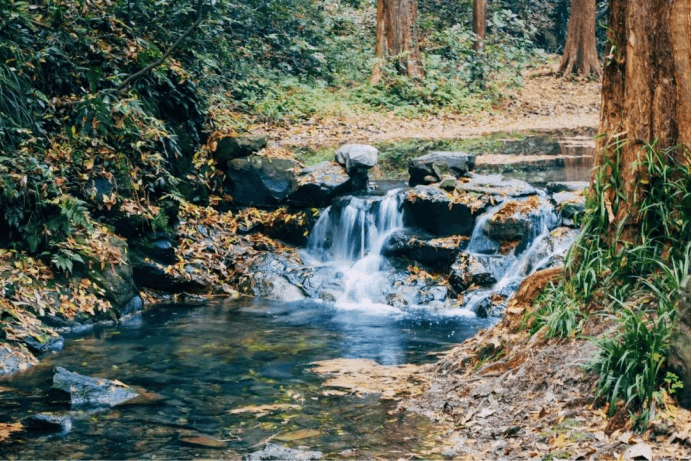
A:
[212,359]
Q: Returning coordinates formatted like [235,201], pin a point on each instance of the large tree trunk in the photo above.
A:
[397,36]
[580,48]
[479,22]
[645,98]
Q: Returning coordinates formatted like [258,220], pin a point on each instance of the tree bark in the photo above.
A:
[580,48]
[645,98]
[479,23]
[397,37]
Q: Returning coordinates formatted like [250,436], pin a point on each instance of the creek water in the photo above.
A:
[210,361]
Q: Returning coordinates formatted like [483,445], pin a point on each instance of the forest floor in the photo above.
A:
[544,103]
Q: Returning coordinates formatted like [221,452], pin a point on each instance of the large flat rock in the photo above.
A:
[496,185]
[433,166]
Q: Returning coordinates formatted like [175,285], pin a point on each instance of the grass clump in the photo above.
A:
[631,280]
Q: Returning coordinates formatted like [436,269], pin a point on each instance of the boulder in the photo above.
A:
[15,358]
[434,253]
[469,269]
[274,276]
[260,181]
[319,184]
[150,274]
[432,166]
[272,452]
[679,357]
[77,390]
[437,212]
[231,147]
[520,220]
[551,250]
[356,157]
[497,186]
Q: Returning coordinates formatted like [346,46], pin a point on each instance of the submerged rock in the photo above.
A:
[261,181]
[77,390]
[273,452]
[318,185]
[48,423]
[566,186]
[434,165]
[438,212]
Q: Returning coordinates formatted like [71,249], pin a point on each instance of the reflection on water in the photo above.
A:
[207,361]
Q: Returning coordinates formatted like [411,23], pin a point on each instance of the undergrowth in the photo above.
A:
[631,281]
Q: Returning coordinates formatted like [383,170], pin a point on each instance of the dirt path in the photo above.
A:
[544,103]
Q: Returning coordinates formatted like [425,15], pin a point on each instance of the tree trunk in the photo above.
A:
[397,37]
[479,22]
[645,98]
[580,48]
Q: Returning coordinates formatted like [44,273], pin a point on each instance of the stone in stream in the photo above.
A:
[439,213]
[230,147]
[15,358]
[497,186]
[47,423]
[78,390]
[319,184]
[434,165]
[520,220]
[566,186]
[260,181]
[570,206]
[278,277]
[434,253]
[469,269]
[356,156]
[273,452]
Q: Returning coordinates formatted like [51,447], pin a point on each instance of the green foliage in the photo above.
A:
[637,281]
[64,259]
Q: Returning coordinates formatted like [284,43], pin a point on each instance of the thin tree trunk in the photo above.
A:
[397,36]
[645,98]
[580,48]
[479,23]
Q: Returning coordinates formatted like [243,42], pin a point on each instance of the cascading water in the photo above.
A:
[349,237]
[347,241]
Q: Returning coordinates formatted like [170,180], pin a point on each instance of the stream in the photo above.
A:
[208,362]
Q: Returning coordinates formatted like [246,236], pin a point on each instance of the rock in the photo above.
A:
[396,300]
[356,156]
[679,356]
[435,253]
[570,206]
[448,183]
[133,306]
[520,220]
[431,294]
[260,181]
[200,440]
[497,186]
[51,343]
[318,185]
[232,147]
[276,277]
[44,422]
[436,164]
[150,274]
[566,186]
[278,453]
[15,358]
[435,211]
[552,249]
[77,390]
[159,248]
[469,269]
